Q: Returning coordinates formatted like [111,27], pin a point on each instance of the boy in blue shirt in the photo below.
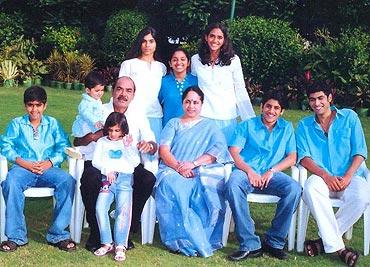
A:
[262,147]
[34,143]
[331,145]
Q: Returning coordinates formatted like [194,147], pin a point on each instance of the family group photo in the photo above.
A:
[184,133]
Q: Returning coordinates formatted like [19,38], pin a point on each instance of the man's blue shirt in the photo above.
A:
[262,149]
[335,151]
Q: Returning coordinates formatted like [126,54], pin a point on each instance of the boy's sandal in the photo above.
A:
[120,253]
[104,250]
[349,256]
[9,246]
[65,245]
[313,248]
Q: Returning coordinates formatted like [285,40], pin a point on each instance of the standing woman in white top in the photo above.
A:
[143,67]
[220,77]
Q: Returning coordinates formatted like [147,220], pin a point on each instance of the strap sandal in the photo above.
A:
[9,246]
[349,256]
[66,245]
[104,250]
[314,248]
[120,253]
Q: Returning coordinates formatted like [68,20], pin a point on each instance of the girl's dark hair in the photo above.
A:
[227,51]
[135,50]
[195,89]
[116,118]
[275,95]
[35,93]
[93,79]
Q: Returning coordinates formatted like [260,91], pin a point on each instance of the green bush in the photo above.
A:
[120,32]
[11,27]
[270,50]
[346,62]
[64,39]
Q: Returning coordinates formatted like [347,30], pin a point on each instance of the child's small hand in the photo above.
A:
[127,140]
[112,177]
[99,125]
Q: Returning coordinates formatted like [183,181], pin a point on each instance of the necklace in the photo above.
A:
[180,85]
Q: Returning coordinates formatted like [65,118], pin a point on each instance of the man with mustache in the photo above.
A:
[122,95]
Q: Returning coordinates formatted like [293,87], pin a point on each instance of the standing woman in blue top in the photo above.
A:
[220,77]
[174,84]
[143,67]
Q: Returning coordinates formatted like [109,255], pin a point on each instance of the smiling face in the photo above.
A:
[192,105]
[271,111]
[148,45]
[123,93]
[179,62]
[320,103]
[215,39]
[35,109]
[96,92]
[115,133]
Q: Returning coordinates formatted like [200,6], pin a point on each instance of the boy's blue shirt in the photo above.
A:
[334,152]
[262,149]
[19,141]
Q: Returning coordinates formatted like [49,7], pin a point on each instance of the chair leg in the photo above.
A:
[292,230]
[366,231]
[147,225]
[152,220]
[348,234]
[226,228]
[2,217]
[303,215]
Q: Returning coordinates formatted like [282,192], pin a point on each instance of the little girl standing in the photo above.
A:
[90,116]
[116,157]
[174,83]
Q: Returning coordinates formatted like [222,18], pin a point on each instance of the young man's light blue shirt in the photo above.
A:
[262,149]
[19,140]
[335,151]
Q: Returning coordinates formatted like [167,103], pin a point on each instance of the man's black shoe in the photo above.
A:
[242,255]
[130,244]
[92,246]
[274,252]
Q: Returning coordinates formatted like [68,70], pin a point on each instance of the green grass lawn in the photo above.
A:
[62,104]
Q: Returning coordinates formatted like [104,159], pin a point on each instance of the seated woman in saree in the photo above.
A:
[190,181]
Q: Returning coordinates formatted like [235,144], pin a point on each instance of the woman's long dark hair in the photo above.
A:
[135,50]
[116,118]
[226,52]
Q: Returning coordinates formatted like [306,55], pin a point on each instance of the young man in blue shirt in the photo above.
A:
[331,145]
[262,147]
[35,143]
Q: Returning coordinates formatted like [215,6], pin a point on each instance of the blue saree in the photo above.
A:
[191,211]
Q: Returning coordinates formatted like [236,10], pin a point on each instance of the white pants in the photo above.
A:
[316,195]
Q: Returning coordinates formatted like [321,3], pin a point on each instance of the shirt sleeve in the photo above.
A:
[61,142]
[302,143]
[168,133]
[290,141]
[243,102]
[160,93]
[7,141]
[239,138]
[146,133]
[358,143]
[88,112]
[125,69]
[97,161]
[193,65]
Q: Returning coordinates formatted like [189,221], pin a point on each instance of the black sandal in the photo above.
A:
[11,245]
[313,248]
[349,256]
[63,245]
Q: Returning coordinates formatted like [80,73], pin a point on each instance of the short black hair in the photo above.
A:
[93,79]
[116,118]
[35,93]
[195,89]
[275,95]
[319,86]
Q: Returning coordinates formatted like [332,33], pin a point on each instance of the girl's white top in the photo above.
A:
[224,90]
[115,156]
[147,78]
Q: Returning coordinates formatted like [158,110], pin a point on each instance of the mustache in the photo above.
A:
[121,97]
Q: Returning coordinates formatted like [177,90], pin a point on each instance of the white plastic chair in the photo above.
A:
[265,198]
[30,192]
[304,213]
[148,217]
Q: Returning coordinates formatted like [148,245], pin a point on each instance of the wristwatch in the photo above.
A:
[273,170]
[195,163]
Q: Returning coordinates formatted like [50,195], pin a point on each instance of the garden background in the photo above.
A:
[281,44]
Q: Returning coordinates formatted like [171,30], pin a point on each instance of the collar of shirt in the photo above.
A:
[260,123]
[26,120]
